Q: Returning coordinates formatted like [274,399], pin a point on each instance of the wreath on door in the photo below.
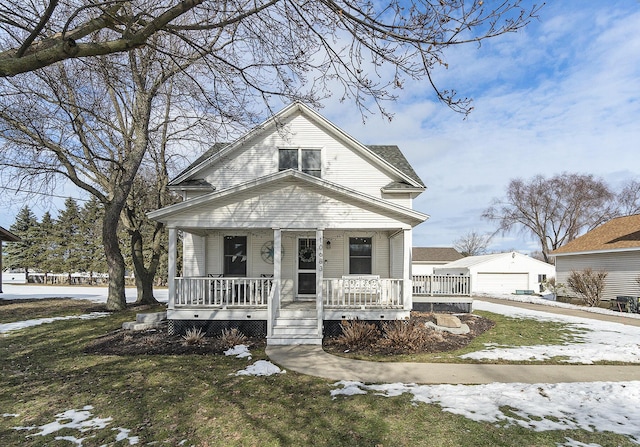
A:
[307,254]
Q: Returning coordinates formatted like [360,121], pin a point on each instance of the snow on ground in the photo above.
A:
[261,368]
[8,327]
[239,351]
[599,406]
[595,340]
[81,420]
[97,294]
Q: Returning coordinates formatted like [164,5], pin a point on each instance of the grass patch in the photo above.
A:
[198,399]
[21,310]
[508,331]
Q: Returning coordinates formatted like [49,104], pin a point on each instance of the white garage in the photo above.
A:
[500,272]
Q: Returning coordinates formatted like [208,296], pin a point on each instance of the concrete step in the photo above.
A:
[300,340]
[297,313]
[151,317]
[135,326]
[295,330]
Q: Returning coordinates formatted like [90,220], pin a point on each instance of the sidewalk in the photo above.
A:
[313,360]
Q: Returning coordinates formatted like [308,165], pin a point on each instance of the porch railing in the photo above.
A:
[362,292]
[222,292]
[441,285]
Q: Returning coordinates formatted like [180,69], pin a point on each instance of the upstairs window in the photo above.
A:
[308,161]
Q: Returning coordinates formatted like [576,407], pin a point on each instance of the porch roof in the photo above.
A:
[321,195]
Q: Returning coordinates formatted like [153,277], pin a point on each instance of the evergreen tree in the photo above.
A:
[24,254]
[92,257]
[68,238]
[47,243]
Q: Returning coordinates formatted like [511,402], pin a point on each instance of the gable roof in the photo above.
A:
[473,261]
[387,156]
[621,233]
[435,254]
[258,185]
[6,235]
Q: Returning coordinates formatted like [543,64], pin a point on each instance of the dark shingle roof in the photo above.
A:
[393,156]
[435,254]
[618,233]
[217,147]
[6,235]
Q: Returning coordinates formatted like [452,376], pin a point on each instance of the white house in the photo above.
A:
[425,259]
[5,235]
[613,247]
[290,229]
[501,272]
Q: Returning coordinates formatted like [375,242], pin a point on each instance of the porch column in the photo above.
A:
[274,303]
[173,253]
[319,277]
[407,289]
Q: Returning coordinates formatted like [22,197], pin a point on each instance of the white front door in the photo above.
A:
[306,266]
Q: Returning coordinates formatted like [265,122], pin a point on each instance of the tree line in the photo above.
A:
[65,244]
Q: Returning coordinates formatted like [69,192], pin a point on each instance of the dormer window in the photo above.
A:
[306,160]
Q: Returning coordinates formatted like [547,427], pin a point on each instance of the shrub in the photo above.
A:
[588,284]
[404,335]
[193,336]
[357,334]
[230,338]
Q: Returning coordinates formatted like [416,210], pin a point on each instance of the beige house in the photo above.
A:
[613,247]
[290,229]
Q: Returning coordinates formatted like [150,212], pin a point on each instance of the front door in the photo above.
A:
[306,268]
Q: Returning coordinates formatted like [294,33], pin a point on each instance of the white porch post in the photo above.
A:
[173,253]
[407,290]
[319,277]
[274,304]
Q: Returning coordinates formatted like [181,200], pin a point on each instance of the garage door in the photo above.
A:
[501,282]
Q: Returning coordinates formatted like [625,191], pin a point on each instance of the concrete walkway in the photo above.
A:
[313,360]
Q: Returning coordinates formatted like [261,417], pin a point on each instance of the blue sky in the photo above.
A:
[562,95]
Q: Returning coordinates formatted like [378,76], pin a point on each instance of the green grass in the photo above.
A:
[167,399]
[508,331]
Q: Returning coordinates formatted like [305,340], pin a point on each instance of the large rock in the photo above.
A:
[448,320]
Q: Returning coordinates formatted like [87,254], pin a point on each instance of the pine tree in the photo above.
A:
[24,254]
[47,260]
[68,239]
[92,257]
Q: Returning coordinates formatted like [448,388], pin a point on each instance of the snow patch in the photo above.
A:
[8,327]
[240,351]
[261,368]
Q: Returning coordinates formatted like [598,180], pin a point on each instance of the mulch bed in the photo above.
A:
[158,342]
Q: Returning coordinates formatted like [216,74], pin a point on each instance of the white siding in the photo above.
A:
[194,258]
[340,164]
[292,206]
[622,267]
[397,255]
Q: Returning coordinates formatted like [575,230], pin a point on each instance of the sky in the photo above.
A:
[592,406]
[561,95]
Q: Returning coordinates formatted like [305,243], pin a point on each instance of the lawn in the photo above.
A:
[197,400]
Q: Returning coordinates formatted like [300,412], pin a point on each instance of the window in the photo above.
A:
[306,160]
[360,255]
[235,256]
[542,278]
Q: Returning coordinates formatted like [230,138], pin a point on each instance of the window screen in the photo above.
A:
[235,256]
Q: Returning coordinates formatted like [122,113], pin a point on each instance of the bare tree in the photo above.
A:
[472,243]
[589,284]
[266,43]
[629,198]
[554,210]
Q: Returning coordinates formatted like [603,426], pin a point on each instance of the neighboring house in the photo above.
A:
[613,247]
[426,258]
[290,229]
[501,272]
[5,235]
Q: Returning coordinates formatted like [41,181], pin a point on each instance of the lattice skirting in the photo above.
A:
[442,307]
[212,328]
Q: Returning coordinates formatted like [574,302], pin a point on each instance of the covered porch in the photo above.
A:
[293,279]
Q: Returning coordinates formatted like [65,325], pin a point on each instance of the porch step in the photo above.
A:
[151,317]
[295,330]
[296,325]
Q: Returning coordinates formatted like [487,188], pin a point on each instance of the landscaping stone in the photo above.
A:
[463,329]
[448,320]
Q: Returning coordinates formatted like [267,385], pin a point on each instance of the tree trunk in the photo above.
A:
[144,276]
[115,261]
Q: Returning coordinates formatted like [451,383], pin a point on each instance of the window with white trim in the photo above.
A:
[360,256]
[306,160]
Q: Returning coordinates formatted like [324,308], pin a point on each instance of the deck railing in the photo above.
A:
[362,292]
[222,292]
[441,285]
